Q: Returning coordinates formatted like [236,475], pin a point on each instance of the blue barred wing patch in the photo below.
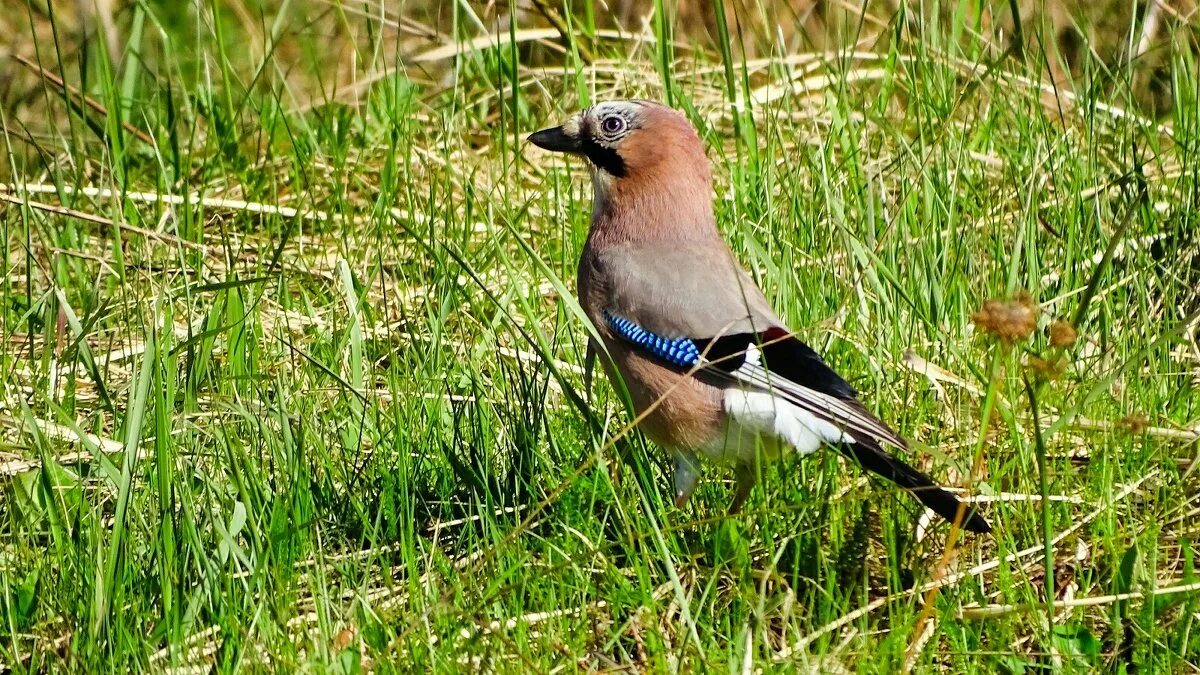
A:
[680,352]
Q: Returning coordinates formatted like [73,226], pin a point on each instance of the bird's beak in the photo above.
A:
[556,139]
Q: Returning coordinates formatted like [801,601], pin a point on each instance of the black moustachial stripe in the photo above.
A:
[606,159]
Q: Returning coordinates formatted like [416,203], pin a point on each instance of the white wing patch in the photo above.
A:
[753,357]
[764,414]
[812,409]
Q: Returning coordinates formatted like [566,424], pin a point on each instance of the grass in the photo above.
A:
[292,376]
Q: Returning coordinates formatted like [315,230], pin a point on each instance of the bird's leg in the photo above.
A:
[687,476]
[746,477]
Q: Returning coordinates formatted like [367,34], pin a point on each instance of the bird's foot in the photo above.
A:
[687,476]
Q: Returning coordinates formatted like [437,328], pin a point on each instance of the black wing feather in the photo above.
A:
[783,354]
[872,457]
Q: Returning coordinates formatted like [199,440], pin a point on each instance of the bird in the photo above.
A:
[713,374]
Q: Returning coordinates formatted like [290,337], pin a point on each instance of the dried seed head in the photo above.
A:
[1062,334]
[1011,320]
[1046,369]
[1135,423]
[343,639]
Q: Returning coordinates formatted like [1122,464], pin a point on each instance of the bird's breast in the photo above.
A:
[674,409]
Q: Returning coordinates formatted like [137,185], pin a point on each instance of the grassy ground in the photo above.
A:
[291,376]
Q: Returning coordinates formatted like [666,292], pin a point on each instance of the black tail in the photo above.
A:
[946,505]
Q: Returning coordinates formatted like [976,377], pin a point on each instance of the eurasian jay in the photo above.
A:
[711,371]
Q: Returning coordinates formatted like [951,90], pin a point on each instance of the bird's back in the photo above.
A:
[685,289]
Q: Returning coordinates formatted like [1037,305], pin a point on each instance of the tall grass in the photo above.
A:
[293,377]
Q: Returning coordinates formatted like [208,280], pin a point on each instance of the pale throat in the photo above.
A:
[601,188]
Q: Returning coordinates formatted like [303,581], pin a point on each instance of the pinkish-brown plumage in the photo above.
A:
[710,369]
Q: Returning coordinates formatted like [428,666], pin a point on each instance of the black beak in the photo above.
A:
[555,140]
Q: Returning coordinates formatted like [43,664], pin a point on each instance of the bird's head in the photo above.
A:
[633,146]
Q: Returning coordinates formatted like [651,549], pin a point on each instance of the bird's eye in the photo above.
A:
[613,125]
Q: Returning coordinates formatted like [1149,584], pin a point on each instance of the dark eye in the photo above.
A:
[613,125]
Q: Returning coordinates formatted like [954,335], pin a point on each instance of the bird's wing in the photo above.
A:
[820,402]
[771,361]
[699,312]
[693,306]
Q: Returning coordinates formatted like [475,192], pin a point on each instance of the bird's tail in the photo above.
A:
[874,458]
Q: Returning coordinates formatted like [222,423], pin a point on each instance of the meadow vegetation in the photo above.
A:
[291,373]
